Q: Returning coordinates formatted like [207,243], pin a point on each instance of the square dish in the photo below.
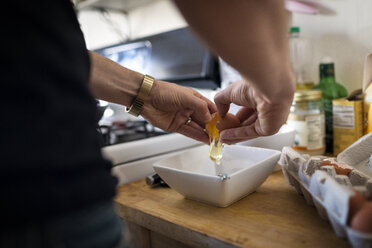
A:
[284,137]
[242,170]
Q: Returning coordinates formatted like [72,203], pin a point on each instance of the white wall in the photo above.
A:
[156,17]
[99,32]
[343,30]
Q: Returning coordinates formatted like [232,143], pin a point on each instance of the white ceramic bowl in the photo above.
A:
[284,137]
[242,170]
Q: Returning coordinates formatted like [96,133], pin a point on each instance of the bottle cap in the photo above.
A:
[326,69]
[326,60]
[294,29]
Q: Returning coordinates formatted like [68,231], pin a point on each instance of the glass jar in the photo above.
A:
[307,119]
[300,51]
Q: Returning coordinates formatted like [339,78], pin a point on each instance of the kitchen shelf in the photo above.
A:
[114,5]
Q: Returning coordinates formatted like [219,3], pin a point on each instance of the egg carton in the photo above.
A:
[329,192]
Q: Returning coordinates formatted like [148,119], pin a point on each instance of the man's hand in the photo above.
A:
[258,116]
[251,36]
[169,106]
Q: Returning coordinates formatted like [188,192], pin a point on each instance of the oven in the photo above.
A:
[131,143]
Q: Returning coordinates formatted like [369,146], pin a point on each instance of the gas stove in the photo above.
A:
[126,131]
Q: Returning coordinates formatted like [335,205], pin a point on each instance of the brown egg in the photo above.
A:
[355,204]
[362,220]
[227,122]
[328,161]
[340,168]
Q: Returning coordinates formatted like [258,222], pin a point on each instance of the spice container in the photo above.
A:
[347,121]
[307,118]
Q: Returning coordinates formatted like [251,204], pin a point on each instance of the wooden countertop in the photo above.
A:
[273,216]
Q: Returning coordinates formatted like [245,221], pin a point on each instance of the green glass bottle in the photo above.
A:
[330,90]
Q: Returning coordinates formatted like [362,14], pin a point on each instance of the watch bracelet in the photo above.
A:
[146,86]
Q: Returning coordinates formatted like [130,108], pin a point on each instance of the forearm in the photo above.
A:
[248,34]
[168,106]
[112,82]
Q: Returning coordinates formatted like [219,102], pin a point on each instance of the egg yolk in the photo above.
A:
[215,146]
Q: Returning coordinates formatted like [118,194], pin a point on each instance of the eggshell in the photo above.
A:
[355,204]
[211,126]
[362,220]
[340,168]
[328,161]
[227,122]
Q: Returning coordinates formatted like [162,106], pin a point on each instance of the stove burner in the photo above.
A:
[121,132]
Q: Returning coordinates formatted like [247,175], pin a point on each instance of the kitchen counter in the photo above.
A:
[273,216]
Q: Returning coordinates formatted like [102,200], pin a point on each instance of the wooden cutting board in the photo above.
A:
[273,216]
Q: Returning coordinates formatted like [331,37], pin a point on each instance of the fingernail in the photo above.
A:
[225,141]
[222,135]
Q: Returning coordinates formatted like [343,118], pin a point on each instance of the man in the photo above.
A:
[56,188]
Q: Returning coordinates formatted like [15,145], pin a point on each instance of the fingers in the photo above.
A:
[237,93]
[212,109]
[197,121]
[231,142]
[223,101]
[247,116]
[250,120]
[169,97]
[235,135]
[211,105]
[194,131]
[200,105]
[195,125]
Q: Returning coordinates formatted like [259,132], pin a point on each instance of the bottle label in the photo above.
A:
[309,131]
[328,110]
[343,116]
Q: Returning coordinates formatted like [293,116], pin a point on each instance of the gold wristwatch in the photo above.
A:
[136,108]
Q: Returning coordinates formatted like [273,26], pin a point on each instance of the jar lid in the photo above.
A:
[307,95]
[294,30]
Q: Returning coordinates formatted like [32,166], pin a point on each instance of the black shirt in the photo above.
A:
[50,161]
